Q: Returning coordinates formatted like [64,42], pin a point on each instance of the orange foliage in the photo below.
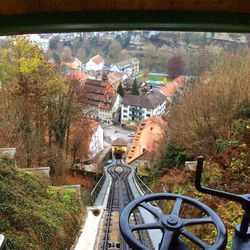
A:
[175,177]
[86,181]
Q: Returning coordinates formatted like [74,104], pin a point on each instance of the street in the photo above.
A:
[112,132]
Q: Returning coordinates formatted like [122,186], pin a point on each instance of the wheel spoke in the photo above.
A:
[194,239]
[177,207]
[194,221]
[151,209]
[153,225]
[166,240]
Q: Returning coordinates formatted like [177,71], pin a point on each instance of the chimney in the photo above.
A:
[104,77]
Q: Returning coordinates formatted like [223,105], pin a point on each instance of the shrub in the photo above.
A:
[34,216]
[174,156]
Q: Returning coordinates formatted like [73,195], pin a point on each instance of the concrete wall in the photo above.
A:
[42,172]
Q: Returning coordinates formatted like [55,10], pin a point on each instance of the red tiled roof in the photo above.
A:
[180,81]
[108,102]
[97,59]
[114,77]
[174,86]
[148,135]
[73,65]
[169,90]
[70,65]
[95,91]
[76,75]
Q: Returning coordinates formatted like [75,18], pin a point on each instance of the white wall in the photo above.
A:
[90,65]
[96,143]
[117,104]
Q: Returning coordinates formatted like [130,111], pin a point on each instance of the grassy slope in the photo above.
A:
[33,215]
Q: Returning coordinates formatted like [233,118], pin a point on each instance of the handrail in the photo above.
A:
[97,188]
[143,186]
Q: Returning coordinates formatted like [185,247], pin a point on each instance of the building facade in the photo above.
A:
[96,63]
[129,67]
[107,109]
[135,108]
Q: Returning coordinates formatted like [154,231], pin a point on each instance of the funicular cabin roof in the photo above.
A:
[31,16]
[53,6]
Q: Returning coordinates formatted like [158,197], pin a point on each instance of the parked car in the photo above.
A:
[131,135]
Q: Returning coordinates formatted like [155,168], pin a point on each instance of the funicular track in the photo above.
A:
[119,196]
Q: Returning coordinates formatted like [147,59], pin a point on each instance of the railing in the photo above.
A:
[97,189]
[3,243]
[143,186]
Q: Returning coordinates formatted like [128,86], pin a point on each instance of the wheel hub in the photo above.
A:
[171,222]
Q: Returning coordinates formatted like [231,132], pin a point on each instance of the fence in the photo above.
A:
[97,188]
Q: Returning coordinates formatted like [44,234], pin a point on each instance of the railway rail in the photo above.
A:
[120,195]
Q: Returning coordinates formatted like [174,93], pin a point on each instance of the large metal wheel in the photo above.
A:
[171,225]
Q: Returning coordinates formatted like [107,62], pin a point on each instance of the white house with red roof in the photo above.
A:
[95,63]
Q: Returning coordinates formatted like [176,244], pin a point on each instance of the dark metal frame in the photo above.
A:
[124,20]
[171,225]
[241,238]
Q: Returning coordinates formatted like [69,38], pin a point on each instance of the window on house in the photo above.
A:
[125,111]
[148,115]
[125,116]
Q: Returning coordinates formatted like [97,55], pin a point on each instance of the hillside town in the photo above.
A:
[91,121]
[120,96]
[112,113]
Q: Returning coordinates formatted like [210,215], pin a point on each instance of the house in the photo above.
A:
[108,107]
[115,78]
[96,63]
[119,147]
[75,65]
[86,139]
[135,108]
[129,67]
[136,41]
[146,141]
[174,89]
[36,39]
[95,90]
[77,76]
[96,142]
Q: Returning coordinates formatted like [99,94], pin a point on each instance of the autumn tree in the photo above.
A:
[135,90]
[175,67]
[66,54]
[199,61]
[24,84]
[37,105]
[209,111]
